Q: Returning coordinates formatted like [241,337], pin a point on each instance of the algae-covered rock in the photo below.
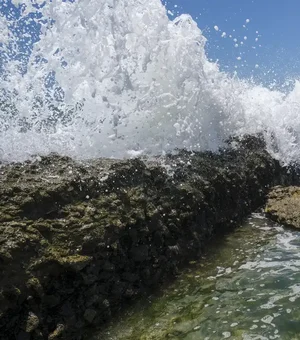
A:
[283,205]
[79,239]
[32,323]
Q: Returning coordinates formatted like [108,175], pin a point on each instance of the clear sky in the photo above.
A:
[277,48]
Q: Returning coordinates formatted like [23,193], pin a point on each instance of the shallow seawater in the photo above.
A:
[246,287]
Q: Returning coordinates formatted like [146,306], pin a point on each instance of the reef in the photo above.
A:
[81,239]
[283,205]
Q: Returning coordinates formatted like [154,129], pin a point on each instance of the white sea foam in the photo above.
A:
[130,80]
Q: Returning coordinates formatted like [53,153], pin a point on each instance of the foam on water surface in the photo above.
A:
[119,78]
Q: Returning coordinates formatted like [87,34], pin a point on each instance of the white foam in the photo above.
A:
[130,80]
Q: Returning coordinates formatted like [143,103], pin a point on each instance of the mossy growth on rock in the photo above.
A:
[283,205]
[80,239]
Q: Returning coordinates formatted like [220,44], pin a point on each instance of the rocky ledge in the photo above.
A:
[80,239]
[283,205]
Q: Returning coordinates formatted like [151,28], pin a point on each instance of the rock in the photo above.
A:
[283,205]
[32,323]
[76,262]
[51,300]
[23,336]
[35,286]
[57,333]
[79,238]
[89,315]
[140,253]
[130,277]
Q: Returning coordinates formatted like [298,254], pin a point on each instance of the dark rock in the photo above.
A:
[77,243]
[89,315]
[35,287]
[130,277]
[140,253]
[23,336]
[51,300]
[93,301]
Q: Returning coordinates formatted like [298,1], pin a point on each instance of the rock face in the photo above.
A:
[78,240]
[283,206]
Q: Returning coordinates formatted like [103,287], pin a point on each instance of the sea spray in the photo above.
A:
[119,78]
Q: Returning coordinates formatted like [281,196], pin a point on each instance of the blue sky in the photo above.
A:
[276,21]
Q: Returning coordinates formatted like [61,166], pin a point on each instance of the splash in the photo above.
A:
[119,78]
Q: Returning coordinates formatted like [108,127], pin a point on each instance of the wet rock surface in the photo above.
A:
[283,205]
[78,240]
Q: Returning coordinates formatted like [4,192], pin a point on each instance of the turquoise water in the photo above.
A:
[246,287]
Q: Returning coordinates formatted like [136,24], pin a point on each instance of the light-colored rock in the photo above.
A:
[283,205]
